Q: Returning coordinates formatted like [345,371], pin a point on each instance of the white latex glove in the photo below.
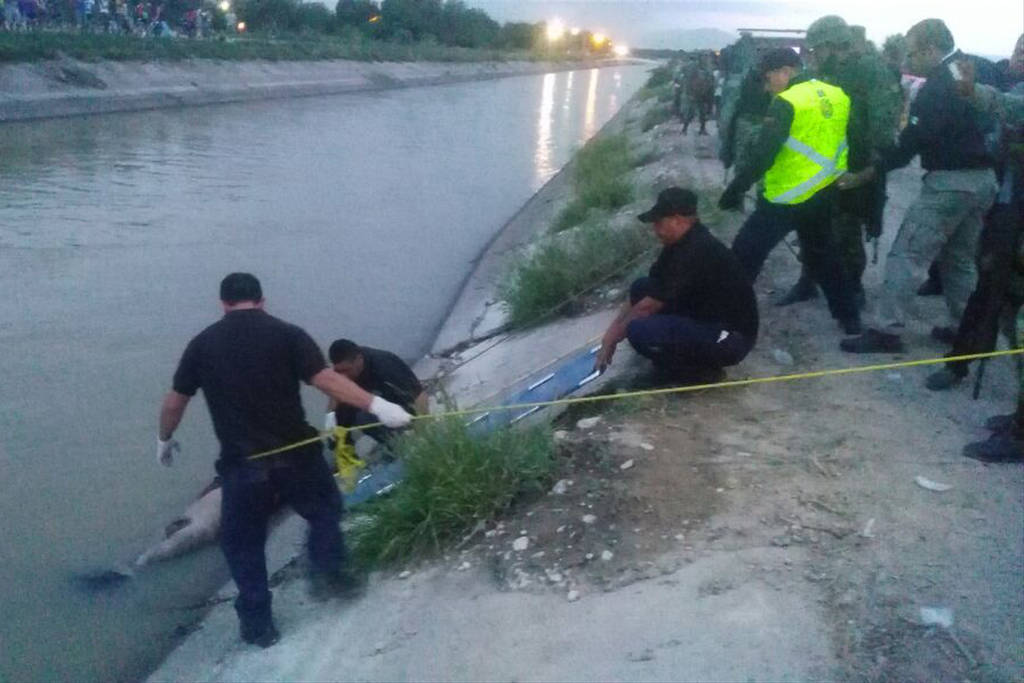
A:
[165,451]
[330,422]
[390,414]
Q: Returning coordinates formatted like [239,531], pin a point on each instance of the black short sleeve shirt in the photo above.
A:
[249,365]
[700,278]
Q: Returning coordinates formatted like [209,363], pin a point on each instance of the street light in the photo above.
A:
[224,6]
[621,50]
[555,30]
[598,39]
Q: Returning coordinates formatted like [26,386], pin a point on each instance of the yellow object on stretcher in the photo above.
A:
[346,462]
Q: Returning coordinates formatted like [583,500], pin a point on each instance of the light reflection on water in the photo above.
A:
[361,214]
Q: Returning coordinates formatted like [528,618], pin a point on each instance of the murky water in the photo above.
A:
[361,214]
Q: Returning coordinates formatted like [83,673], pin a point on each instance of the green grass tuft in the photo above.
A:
[559,271]
[453,480]
[655,116]
[574,213]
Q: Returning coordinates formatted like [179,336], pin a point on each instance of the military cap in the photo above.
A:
[828,29]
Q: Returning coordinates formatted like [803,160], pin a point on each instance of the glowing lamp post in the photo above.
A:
[555,30]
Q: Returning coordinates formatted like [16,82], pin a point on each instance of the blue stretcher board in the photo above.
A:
[558,380]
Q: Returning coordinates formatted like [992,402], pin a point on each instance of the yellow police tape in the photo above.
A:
[667,390]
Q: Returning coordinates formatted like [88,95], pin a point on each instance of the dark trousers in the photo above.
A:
[812,220]
[676,343]
[252,493]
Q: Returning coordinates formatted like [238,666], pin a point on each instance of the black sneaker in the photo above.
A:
[341,585]
[264,638]
[1001,423]
[996,448]
[803,290]
[873,341]
[944,334]
[851,326]
[943,380]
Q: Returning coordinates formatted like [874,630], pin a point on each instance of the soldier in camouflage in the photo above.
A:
[840,55]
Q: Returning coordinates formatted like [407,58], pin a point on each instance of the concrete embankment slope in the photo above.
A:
[70,88]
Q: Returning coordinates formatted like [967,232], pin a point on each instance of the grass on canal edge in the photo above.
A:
[599,179]
[453,481]
[44,45]
[550,279]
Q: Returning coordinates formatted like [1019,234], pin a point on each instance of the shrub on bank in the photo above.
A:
[453,480]
[599,178]
[655,116]
[562,269]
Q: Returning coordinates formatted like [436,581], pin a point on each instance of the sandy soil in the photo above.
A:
[772,532]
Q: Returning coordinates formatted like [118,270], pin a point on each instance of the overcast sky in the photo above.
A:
[988,27]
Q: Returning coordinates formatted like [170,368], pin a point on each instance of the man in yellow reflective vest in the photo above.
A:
[802,150]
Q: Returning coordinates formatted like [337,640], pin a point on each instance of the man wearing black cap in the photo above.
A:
[695,312]
[801,152]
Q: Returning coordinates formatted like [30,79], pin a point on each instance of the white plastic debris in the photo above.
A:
[589,519]
[868,531]
[521,544]
[588,422]
[405,575]
[646,446]
[560,487]
[572,596]
[932,485]
[782,357]
[464,566]
[606,555]
[561,435]
[937,616]
[626,465]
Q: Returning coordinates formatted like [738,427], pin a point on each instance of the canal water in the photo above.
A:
[361,214]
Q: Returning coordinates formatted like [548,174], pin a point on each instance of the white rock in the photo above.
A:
[607,555]
[613,293]
[572,596]
[561,435]
[680,537]
[588,422]
[554,577]
[560,487]
[589,556]
[405,575]
[626,465]
[647,446]
[937,616]
[521,544]
[464,566]
[589,519]
[560,529]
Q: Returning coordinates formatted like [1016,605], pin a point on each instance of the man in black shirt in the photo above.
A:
[696,311]
[379,372]
[249,366]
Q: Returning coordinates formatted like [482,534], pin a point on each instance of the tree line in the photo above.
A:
[447,22]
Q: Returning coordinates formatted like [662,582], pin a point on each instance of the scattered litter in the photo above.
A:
[405,575]
[680,537]
[561,435]
[937,616]
[572,596]
[588,422]
[647,446]
[744,454]
[868,531]
[782,357]
[521,544]
[554,577]
[932,485]
[589,519]
[560,487]
[626,465]
[523,532]
[464,566]
[606,555]
[613,294]
[589,556]
[719,490]
[560,529]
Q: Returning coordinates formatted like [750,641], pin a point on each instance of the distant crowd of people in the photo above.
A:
[102,16]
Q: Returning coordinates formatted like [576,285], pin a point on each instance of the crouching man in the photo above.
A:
[695,313]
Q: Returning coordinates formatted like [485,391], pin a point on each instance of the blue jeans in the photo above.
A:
[252,493]
[677,343]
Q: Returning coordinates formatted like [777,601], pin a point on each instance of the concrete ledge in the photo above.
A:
[70,88]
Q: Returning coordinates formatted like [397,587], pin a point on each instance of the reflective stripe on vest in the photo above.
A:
[815,154]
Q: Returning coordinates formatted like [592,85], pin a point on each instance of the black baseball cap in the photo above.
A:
[674,201]
[778,58]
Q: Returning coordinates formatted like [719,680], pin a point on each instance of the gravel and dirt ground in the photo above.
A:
[768,532]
